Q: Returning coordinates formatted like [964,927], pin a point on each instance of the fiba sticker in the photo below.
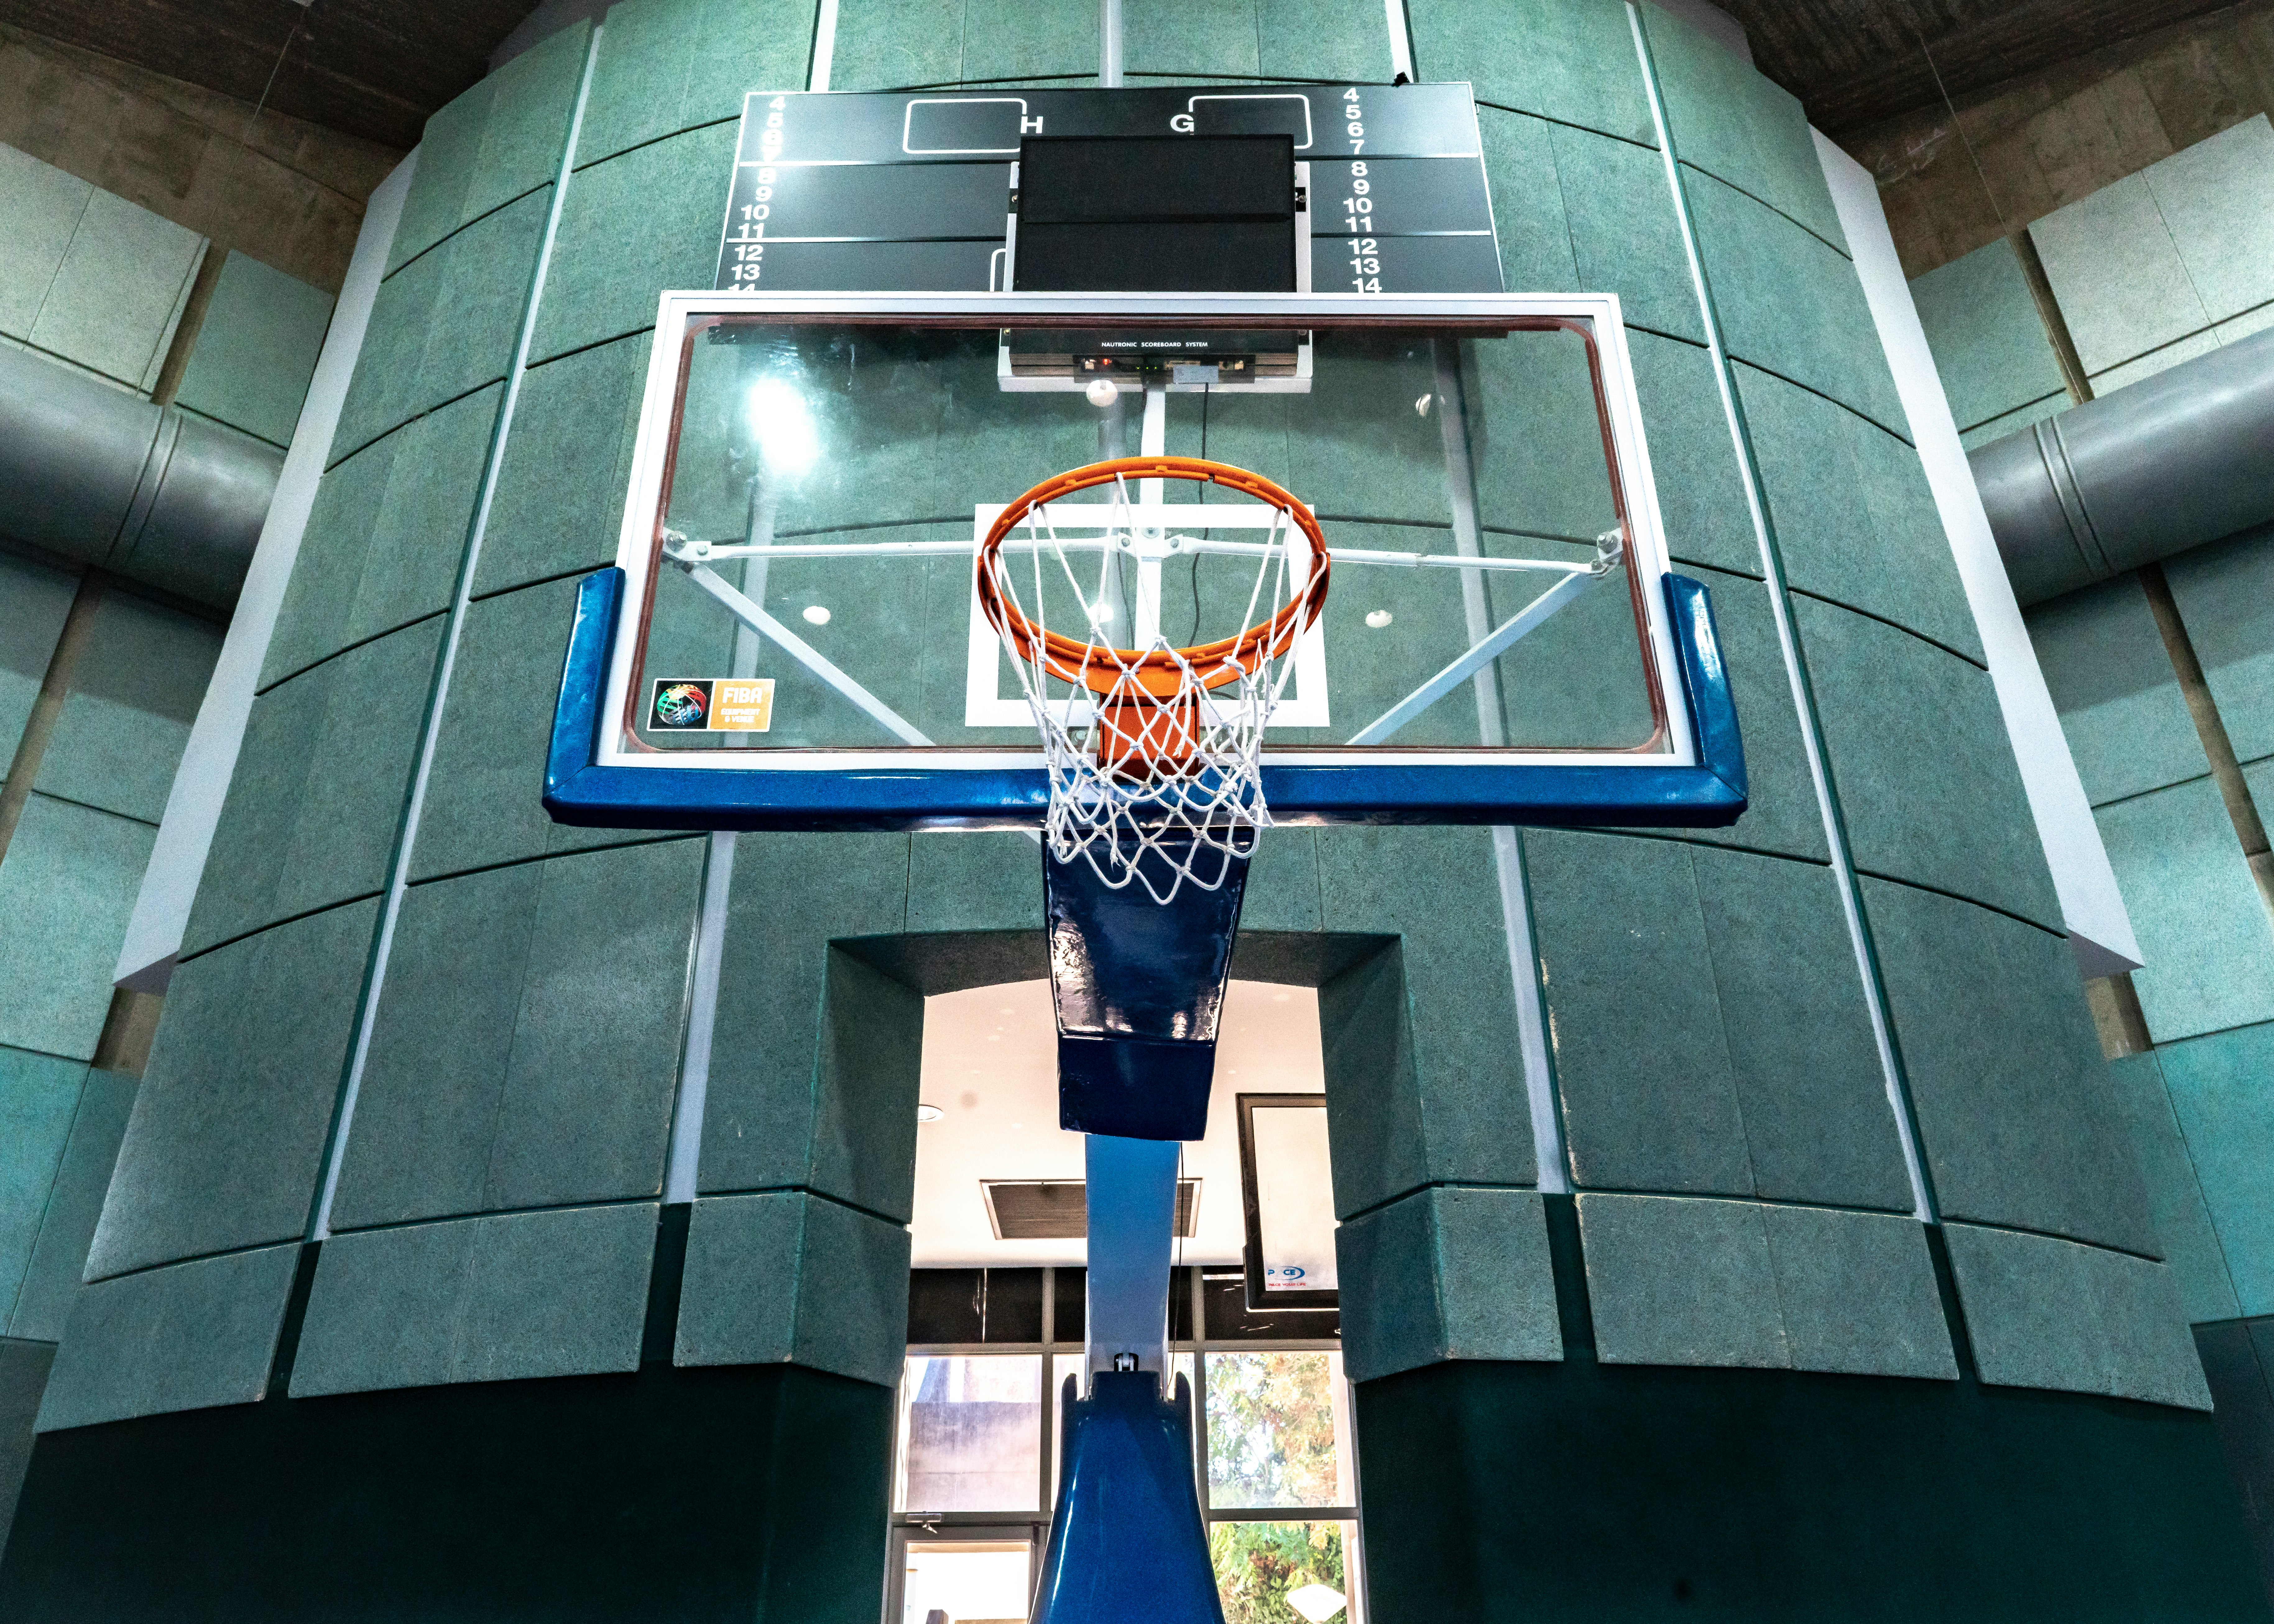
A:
[710,705]
[1286,1277]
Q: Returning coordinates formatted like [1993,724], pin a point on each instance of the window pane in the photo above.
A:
[1275,1573]
[971,1433]
[975,1581]
[1272,1434]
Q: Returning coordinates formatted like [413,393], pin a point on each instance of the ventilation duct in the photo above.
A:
[1054,1209]
[151,492]
[2168,463]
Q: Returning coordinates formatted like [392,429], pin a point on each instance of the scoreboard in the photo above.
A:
[906,191]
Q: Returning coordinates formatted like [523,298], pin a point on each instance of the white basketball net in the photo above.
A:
[1162,790]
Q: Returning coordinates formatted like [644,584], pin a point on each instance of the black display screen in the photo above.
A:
[1155,214]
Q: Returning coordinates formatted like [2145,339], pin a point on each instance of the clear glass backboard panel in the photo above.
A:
[799,541]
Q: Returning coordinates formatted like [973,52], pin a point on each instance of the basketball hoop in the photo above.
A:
[1154,752]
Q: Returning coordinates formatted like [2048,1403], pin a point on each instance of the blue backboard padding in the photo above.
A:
[578,790]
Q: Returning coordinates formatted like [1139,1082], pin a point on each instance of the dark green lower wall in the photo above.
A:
[756,1494]
[1578,1491]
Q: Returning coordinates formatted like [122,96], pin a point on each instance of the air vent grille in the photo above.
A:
[1056,1210]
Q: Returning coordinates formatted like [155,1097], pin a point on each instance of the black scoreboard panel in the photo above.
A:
[912,192]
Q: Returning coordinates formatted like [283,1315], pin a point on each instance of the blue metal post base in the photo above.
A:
[1127,1539]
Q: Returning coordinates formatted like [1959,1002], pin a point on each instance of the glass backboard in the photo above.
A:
[791,637]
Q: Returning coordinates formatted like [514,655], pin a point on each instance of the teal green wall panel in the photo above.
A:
[135,691]
[1990,344]
[562,485]
[35,601]
[186,1337]
[118,290]
[256,350]
[1676,1281]
[45,204]
[2225,596]
[2111,680]
[319,790]
[1572,61]
[74,1206]
[892,44]
[1854,519]
[509,1299]
[67,888]
[1282,883]
[1447,1274]
[226,1138]
[981,882]
[387,536]
[2201,921]
[669,65]
[603,280]
[2186,1238]
[1693,459]
[790,1278]
[526,1047]
[1437,891]
[1922,765]
[499,140]
[2042,1312]
[1191,39]
[38,1098]
[1728,120]
[1344,40]
[445,324]
[1527,201]
[1789,303]
[2222,1089]
[2017,1116]
[1624,231]
[2014,422]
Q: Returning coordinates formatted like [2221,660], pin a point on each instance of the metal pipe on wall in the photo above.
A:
[147,492]
[2168,463]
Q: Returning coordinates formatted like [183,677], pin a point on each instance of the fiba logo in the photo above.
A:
[682,706]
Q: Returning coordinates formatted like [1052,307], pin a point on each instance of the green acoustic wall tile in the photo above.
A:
[42,205]
[2042,1312]
[887,44]
[2016,1113]
[1789,303]
[256,350]
[1673,1282]
[2228,249]
[603,280]
[67,888]
[67,1228]
[1990,344]
[1283,883]
[1857,1294]
[1527,201]
[1921,763]
[1181,39]
[2225,596]
[39,1097]
[2186,1238]
[317,797]
[1572,61]
[496,142]
[1380,1146]
[509,1299]
[2122,288]
[872,1059]
[1028,39]
[33,602]
[2222,1091]
[187,1337]
[975,882]
[560,498]
[1447,1274]
[2159,360]
[1625,233]
[1817,1123]
[1341,40]
[1648,1103]
[484,800]
[789,1278]
[668,65]
[1435,889]
[226,1138]
[118,291]
[134,694]
[2111,680]
[1730,121]
[2195,908]
[445,324]
[791,894]
[2014,422]
[1855,521]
